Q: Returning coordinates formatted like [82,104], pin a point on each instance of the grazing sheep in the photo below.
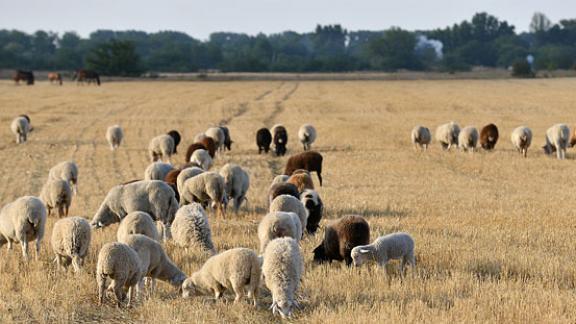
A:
[71,241]
[302,181]
[278,224]
[521,139]
[157,171]
[56,194]
[153,197]
[199,137]
[203,188]
[557,138]
[171,180]
[210,145]
[123,266]
[193,147]
[310,160]
[385,248]
[67,171]
[421,137]
[447,135]
[573,138]
[176,137]
[114,136]
[20,127]
[307,136]
[287,203]
[280,179]
[191,228]
[236,269]
[468,138]
[29,121]
[340,237]
[283,268]
[216,134]
[283,188]
[201,158]
[184,175]
[227,140]
[161,148]
[154,260]
[263,140]
[22,221]
[489,137]
[137,222]
[236,183]
[280,139]
[314,205]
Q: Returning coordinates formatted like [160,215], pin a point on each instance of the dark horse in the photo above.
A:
[20,75]
[86,76]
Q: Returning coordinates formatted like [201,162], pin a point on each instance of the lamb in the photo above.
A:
[191,228]
[216,134]
[227,140]
[302,181]
[340,237]
[287,203]
[161,148]
[447,135]
[137,222]
[236,183]
[421,137]
[22,221]
[280,139]
[283,268]
[283,188]
[278,224]
[388,247]
[203,188]
[184,175]
[314,205]
[307,136]
[71,241]
[193,147]
[123,266]
[20,127]
[521,139]
[468,138]
[557,138]
[236,269]
[202,159]
[176,137]
[157,171]
[56,194]
[67,171]
[153,197]
[114,136]
[489,137]
[310,160]
[263,140]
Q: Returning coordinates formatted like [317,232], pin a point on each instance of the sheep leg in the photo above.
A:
[239,290]
[38,241]
[118,291]
[253,294]
[49,211]
[131,291]
[101,280]
[319,174]
[60,211]
[24,245]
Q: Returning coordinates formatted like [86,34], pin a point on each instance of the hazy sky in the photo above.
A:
[200,18]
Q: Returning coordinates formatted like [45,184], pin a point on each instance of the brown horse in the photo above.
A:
[87,76]
[20,75]
[55,77]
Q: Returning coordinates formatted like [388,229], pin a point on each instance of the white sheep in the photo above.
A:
[279,179]
[114,136]
[191,228]
[137,222]
[202,159]
[22,221]
[521,138]
[56,194]
[388,247]
[421,137]
[204,188]
[282,269]
[288,203]
[67,171]
[557,139]
[447,135]
[199,137]
[278,224]
[161,148]
[185,175]
[236,269]
[70,242]
[307,136]
[236,183]
[217,135]
[20,127]
[123,266]
[157,171]
[468,138]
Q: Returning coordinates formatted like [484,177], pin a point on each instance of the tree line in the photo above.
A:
[484,40]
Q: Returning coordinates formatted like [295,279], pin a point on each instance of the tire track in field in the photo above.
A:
[244,107]
[279,106]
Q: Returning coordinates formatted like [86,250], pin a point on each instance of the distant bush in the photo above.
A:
[522,69]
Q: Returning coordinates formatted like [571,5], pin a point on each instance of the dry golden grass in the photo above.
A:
[494,232]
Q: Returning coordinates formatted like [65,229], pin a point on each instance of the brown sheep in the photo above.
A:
[302,181]
[340,237]
[489,137]
[573,138]
[310,160]
[210,146]
[193,147]
[283,188]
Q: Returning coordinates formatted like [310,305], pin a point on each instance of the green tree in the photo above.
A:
[115,57]
[394,50]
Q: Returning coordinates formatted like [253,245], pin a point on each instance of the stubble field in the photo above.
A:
[494,232]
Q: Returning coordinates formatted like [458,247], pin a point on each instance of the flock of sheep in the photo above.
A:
[171,203]
[448,135]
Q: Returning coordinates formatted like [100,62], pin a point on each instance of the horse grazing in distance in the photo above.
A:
[55,77]
[20,75]
[87,76]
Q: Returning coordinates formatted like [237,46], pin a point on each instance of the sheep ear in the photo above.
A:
[364,251]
